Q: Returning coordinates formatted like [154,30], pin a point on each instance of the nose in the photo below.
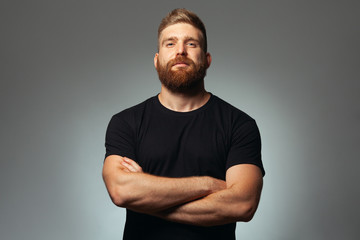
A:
[181,49]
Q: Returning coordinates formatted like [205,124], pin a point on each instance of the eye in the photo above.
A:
[191,44]
[170,44]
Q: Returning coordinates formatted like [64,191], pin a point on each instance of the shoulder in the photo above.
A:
[130,117]
[229,111]
[238,124]
[134,111]
[244,135]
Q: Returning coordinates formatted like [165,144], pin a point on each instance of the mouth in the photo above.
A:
[181,64]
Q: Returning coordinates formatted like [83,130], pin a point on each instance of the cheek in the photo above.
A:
[199,60]
[163,59]
[199,57]
[158,61]
[162,63]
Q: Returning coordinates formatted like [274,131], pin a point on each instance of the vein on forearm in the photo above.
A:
[222,207]
[147,193]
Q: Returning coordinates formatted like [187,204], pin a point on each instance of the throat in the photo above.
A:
[180,102]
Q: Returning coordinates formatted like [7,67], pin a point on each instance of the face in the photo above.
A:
[181,63]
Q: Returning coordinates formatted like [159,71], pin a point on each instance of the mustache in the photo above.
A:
[180,59]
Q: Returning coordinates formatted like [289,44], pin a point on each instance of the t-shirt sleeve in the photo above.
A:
[120,136]
[245,145]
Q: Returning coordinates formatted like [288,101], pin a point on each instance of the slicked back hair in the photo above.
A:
[182,15]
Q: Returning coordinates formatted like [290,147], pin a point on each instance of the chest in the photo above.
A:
[179,147]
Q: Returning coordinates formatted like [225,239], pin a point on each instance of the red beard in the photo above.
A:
[181,79]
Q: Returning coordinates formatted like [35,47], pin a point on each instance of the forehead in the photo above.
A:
[180,31]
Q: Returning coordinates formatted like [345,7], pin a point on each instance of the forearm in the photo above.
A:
[141,192]
[238,202]
[147,193]
[218,208]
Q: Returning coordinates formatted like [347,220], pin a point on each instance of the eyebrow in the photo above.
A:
[187,38]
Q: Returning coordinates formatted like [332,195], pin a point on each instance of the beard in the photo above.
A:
[182,79]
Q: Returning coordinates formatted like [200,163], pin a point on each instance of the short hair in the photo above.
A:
[182,15]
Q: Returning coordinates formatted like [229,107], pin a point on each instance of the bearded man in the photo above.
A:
[185,164]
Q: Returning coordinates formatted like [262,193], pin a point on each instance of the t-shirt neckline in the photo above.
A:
[166,110]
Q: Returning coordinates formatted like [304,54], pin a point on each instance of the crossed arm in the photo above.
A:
[201,201]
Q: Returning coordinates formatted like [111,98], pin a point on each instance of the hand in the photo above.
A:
[130,165]
[218,185]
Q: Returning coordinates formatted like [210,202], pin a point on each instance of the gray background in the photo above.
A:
[68,66]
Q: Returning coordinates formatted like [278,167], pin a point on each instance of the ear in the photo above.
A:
[155,59]
[208,59]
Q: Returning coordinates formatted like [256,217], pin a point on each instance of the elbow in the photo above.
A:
[119,198]
[118,201]
[117,191]
[248,216]
[246,212]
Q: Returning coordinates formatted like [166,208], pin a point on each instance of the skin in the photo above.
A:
[236,202]
[203,201]
[182,39]
[130,188]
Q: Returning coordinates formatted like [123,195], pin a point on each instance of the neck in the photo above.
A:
[184,101]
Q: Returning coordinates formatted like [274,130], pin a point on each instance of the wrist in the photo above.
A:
[214,185]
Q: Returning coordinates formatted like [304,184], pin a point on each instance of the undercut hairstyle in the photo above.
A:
[182,15]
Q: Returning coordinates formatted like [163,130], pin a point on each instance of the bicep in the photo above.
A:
[246,180]
[112,170]
[120,138]
[245,146]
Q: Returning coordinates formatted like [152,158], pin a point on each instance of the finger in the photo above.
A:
[129,167]
[134,164]
[123,168]
[129,160]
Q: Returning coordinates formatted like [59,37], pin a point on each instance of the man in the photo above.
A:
[185,164]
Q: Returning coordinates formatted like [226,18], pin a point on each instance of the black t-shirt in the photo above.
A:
[203,142]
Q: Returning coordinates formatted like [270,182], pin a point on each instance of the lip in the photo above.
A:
[181,64]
